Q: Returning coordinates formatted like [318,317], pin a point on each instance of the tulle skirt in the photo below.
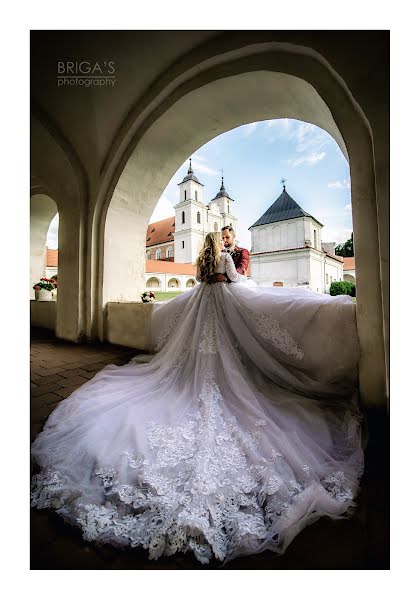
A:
[241,429]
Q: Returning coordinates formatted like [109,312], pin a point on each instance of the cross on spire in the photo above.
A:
[284,183]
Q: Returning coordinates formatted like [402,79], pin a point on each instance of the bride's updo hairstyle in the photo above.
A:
[209,256]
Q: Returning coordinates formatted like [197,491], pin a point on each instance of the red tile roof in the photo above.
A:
[160,232]
[349,264]
[52,257]
[163,266]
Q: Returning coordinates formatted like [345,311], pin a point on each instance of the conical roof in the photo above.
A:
[222,193]
[282,209]
[190,176]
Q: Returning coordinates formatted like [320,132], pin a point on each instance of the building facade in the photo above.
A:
[287,249]
[179,239]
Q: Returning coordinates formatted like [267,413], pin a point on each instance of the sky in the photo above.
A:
[254,158]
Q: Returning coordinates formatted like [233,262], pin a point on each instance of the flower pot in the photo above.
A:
[44,295]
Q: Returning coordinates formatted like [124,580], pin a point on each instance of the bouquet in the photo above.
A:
[44,284]
[147,297]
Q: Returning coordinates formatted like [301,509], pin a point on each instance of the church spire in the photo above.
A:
[190,176]
[222,193]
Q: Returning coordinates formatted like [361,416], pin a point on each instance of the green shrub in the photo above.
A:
[338,288]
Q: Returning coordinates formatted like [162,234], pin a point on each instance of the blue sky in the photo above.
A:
[254,158]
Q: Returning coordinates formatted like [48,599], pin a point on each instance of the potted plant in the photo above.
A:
[148,297]
[43,289]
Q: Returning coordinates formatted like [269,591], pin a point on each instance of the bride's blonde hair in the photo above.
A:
[209,256]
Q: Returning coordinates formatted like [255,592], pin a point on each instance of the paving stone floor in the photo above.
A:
[58,367]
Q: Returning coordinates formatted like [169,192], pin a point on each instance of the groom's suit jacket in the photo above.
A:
[241,260]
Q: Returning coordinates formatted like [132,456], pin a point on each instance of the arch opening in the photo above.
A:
[207,111]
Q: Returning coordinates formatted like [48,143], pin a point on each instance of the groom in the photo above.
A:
[240,255]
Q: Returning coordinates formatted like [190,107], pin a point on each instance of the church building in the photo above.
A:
[287,249]
[179,239]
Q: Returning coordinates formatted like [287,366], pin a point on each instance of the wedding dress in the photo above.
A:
[243,428]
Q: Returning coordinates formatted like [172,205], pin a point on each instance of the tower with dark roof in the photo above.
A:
[190,221]
[287,249]
[223,204]
[194,218]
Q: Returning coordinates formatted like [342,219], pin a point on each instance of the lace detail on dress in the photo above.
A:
[335,484]
[208,339]
[174,370]
[271,330]
[166,329]
[231,271]
[205,490]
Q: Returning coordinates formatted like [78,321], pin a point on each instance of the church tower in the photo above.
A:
[190,219]
[222,204]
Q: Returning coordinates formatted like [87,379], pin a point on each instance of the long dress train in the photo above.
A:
[243,428]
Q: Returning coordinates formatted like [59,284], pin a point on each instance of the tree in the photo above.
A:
[345,249]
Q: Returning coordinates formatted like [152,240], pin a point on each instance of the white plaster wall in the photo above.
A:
[164,279]
[293,269]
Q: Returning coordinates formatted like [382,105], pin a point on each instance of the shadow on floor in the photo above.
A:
[362,542]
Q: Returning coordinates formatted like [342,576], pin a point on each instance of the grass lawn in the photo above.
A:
[165,295]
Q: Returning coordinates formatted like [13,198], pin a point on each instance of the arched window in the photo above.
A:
[169,252]
[149,256]
[196,195]
[183,216]
[315,244]
[185,194]
[215,226]
[158,254]
[198,217]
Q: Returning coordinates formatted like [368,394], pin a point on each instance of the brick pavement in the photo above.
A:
[58,367]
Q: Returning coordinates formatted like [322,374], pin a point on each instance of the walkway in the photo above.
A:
[59,367]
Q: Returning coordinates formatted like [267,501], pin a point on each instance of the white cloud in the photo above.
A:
[249,129]
[163,210]
[52,235]
[337,235]
[199,165]
[308,136]
[348,207]
[309,159]
[344,183]
[277,129]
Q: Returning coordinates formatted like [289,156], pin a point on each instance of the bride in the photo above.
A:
[242,429]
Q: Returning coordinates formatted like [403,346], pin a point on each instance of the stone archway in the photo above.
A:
[349,277]
[267,81]
[153,284]
[43,210]
[174,284]
[190,283]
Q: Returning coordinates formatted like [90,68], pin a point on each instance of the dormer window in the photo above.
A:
[153,230]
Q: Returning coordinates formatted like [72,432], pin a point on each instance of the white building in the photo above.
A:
[287,249]
[194,219]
